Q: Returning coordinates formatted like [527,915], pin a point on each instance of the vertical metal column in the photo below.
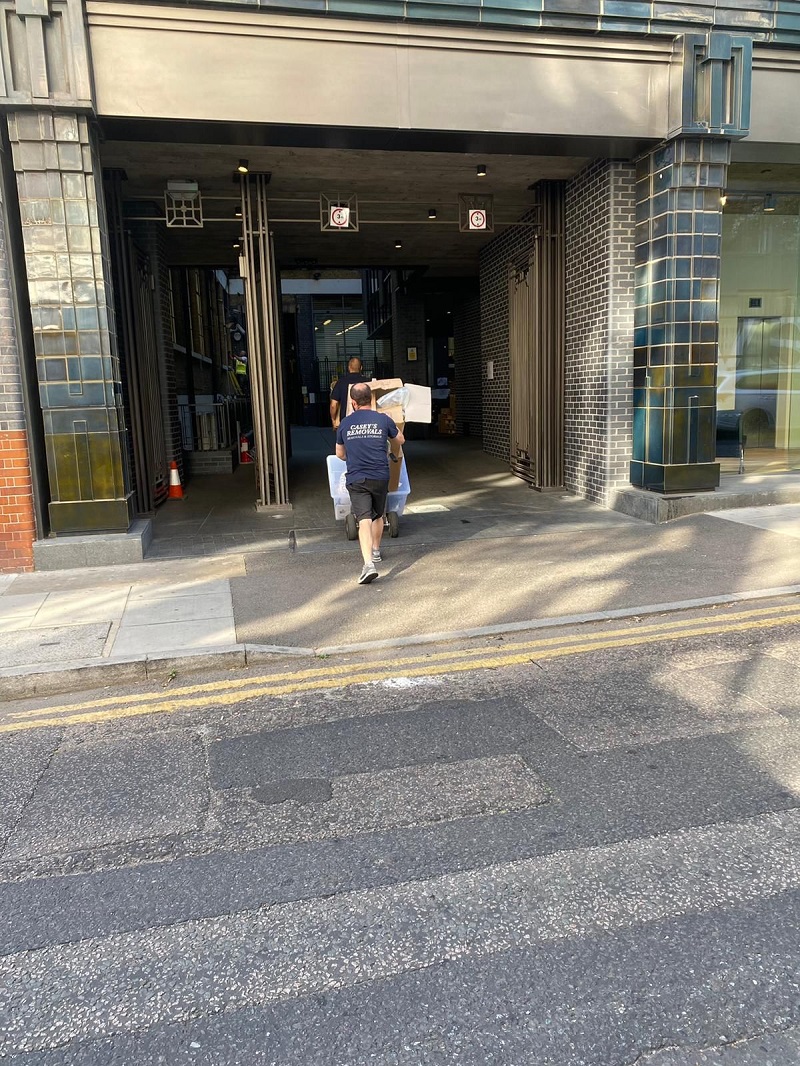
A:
[549,326]
[519,336]
[536,348]
[139,357]
[265,365]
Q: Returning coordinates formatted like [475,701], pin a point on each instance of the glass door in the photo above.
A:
[758,351]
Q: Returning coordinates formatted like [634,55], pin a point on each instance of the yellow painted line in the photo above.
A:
[678,625]
[171,705]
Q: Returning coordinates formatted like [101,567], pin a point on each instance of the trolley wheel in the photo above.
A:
[394,524]
[351,527]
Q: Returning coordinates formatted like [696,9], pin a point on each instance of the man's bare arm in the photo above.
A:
[340,452]
[335,412]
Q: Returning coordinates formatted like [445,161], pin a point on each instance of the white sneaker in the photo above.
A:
[369,573]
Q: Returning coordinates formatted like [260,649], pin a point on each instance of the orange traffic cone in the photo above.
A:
[175,487]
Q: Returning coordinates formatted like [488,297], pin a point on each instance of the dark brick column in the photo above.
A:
[599,321]
[678,233]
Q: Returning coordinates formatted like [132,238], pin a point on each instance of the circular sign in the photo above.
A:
[340,217]
[477,219]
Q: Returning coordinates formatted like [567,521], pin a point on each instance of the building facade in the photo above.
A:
[625,309]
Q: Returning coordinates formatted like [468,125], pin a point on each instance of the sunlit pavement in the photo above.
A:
[477,548]
[579,845]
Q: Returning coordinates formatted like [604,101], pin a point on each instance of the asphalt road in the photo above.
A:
[582,847]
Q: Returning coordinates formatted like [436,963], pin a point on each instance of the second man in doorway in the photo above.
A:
[340,390]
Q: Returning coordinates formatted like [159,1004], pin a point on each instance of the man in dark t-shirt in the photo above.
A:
[341,388]
[362,439]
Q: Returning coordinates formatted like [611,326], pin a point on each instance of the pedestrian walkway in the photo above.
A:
[504,572]
[479,552]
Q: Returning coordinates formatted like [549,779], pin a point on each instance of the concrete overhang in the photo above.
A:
[198,63]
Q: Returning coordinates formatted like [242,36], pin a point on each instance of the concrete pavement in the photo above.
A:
[447,575]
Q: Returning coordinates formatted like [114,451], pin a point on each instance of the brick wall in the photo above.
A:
[599,343]
[408,331]
[514,244]
[469,383]
[17,518]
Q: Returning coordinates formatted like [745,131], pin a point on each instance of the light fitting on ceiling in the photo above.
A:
[723,200]
[183,203]
[770,202]
[480,170]
[244,166]
[398,245]
[431,212]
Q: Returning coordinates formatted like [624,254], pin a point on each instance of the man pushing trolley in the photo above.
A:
[364,439]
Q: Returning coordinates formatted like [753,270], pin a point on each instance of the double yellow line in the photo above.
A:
[328,676]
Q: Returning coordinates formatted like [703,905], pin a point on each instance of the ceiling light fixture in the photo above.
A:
[398,245]
[244,166]
[355,325]
[723,200]
[480,170]
[770,202]
[431,212]
[327,321]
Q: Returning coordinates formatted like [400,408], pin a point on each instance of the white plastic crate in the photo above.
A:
[337,472]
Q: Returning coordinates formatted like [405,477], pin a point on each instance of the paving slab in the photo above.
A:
[176,608]
[17,612]
[146,573]
[29,647]
[780,518]
[99,793]
[186,637]
[95,605]
[191,586]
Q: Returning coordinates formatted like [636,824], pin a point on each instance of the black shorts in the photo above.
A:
[368,499]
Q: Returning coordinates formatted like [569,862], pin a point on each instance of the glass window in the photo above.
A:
[341,333]
[759,335]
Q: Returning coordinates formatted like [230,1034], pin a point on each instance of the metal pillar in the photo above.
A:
[537,346]
[265,365]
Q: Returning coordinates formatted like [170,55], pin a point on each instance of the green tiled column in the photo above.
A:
[678,234]
[69,279]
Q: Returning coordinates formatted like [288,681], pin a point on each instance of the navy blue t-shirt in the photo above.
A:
[365,435]
[341,389]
